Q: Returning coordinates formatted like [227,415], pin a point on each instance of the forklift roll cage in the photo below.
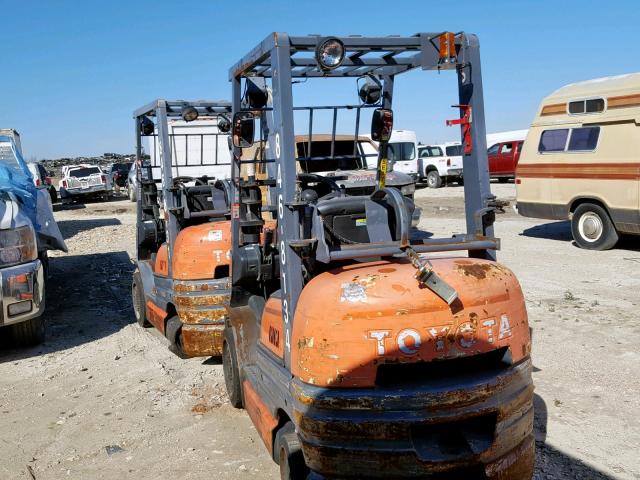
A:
[283,58]
[153,227]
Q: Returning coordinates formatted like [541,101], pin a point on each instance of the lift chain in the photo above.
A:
[427,277]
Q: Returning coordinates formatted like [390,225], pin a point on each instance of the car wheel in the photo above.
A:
[137,298]
[53,194]
[460,181]
[503,179]
[592,228]
[28,333]
[231,371]
[288,454]
[433,179]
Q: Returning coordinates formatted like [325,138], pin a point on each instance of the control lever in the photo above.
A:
[427,277]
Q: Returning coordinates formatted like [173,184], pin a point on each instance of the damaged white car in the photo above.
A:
[27,231]
[84,182]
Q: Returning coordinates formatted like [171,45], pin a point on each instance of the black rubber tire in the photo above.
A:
[433,179]
[231,371]
[53,194]
[28,333]
[460,181]
[131,192]
[503,179]
[608,237]
[288,454]
[137,300]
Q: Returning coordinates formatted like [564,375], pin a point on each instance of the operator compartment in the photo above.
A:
[387,329]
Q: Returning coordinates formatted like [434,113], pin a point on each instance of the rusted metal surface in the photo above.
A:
[202,340]
[477,428]
[202,306]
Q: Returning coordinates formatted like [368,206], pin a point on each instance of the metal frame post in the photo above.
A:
[168,199]
[477,191]
[282,144]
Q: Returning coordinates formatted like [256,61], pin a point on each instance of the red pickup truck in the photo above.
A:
[503,159]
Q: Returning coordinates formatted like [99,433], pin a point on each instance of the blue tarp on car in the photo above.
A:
[16,184]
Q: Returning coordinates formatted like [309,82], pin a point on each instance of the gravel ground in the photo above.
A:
[105,399]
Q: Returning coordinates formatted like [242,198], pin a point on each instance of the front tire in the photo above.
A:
[28,333]
[592,228]
[137,299]
[231,371]
[433,179]
[288,454]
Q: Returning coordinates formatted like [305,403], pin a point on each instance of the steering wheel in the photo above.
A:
[182,179]
[336,190]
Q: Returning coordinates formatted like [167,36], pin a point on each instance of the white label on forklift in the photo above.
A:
[505,328]
[214,235]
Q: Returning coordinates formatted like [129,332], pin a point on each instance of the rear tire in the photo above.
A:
[433,179]
[460,181]
[288,454]
[231,372]
[137,299]
[53,194]
[592,228]
[28,333]
[503,179]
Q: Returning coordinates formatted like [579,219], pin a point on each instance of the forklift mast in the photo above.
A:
[160,205]
[272,68]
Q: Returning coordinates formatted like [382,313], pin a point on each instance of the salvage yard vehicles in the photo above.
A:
[440,163]
[354,353]
[27,231]
[581,160]
[503,159]
[83,182]
[182,282]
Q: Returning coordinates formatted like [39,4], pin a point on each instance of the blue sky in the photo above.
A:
[73,71]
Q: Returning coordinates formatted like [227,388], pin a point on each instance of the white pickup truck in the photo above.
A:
[83,181]
[440,163]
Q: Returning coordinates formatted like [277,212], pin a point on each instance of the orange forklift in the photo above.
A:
[181,285]
[359,349]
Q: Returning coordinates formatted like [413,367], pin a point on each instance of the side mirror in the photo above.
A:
[243,129]
[381,125]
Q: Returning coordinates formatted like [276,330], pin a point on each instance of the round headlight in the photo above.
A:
[330,53]
[189,114]
[224,124]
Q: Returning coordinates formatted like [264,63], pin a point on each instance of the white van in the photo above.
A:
[440,163]
[581,160]
[402,152]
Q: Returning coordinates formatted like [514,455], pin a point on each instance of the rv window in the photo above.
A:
[494,149]
[585,138]
[553,140]
[594,105]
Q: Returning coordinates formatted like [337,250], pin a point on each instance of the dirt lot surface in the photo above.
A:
[105,399]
